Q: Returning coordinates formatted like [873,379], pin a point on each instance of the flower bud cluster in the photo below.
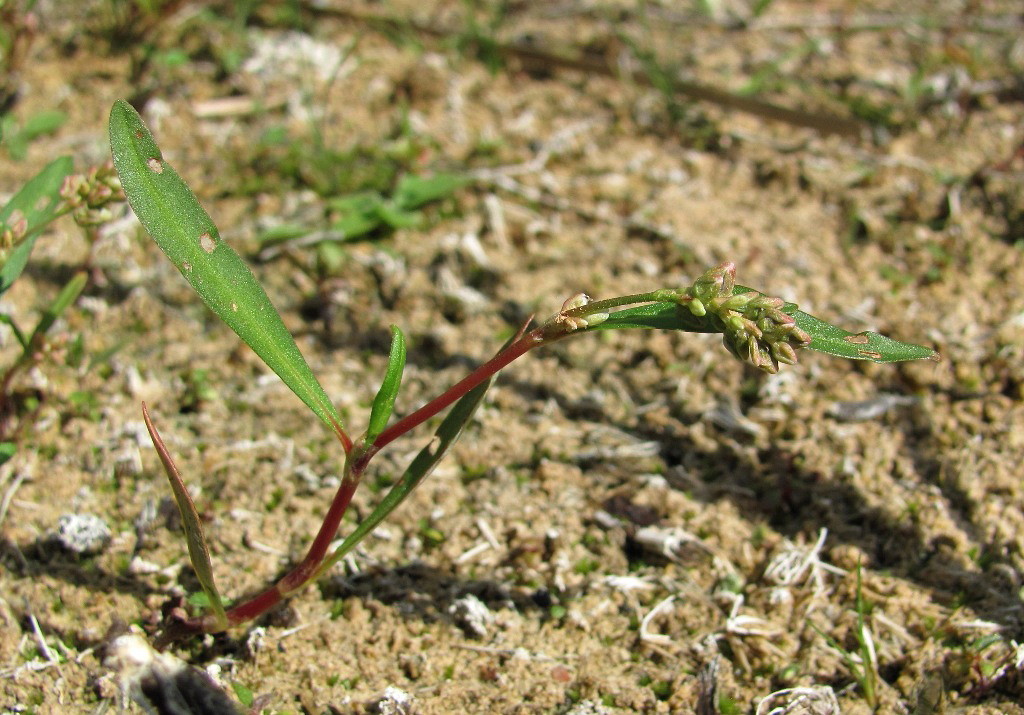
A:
[89,195]
[14,230]
[753,325]
[566,321]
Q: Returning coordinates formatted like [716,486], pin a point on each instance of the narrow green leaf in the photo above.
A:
[356,225]
[67,295]
[384,403]
[45,122]
[413,192]
[828,338]
[282,233]
[444,437]
[397,218]
[186,234]
[192,525]
[359,202]
[38,202]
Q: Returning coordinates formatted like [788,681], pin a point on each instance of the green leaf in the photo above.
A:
[45,122]
[360,214]
[444,437]
[352,226]
[364,212]
[7,450]
[413,192]
[244,695]
[199,600]
[397,218]
[38,202]
[384,403]
[186,234]
[828,338]
[192,525]
[282,233]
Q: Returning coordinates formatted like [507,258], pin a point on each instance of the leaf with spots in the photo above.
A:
[184,231]
[34,206]
[828,338]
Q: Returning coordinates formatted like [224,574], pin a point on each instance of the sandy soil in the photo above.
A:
[630,509]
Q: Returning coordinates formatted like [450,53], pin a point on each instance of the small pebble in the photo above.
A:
[83,533]
[589,707]
[394,702]
[472,615]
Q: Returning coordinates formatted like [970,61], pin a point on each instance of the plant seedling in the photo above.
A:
[756,328]
[52,193]
[863,664]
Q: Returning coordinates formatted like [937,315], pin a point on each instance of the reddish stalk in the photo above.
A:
[514,351]
[298,576]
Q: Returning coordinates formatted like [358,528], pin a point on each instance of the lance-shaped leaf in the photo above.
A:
[446,435]
[37,202]
[192,525]
[184,231]
[384,402]
[828,338]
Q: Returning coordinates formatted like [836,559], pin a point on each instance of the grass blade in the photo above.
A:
[186,234]
[38,202]
[446,435]
[384,403]
[198,551]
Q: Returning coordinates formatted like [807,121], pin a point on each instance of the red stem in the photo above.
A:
[260,604]
[456,391]
[346,443]
[255,607]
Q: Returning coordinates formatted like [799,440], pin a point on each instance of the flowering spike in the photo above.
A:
[755,328]
[89,195]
